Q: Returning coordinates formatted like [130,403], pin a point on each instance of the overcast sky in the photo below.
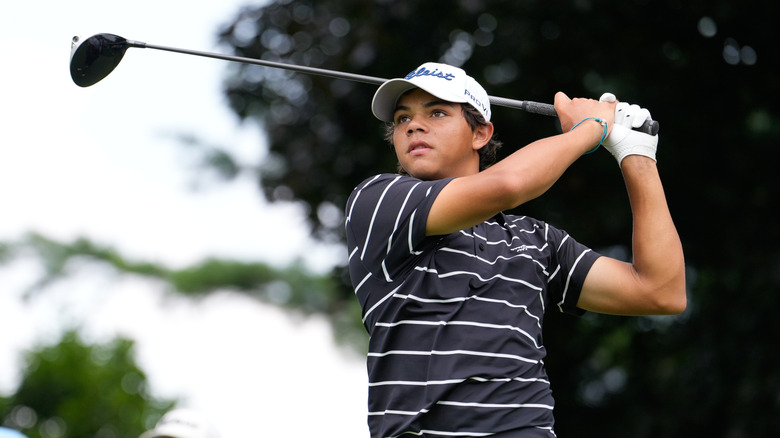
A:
[103,163]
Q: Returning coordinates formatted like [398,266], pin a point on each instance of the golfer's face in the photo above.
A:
[432,138]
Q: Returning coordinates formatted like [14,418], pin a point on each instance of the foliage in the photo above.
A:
[703,70]
[294,287]
[70,389]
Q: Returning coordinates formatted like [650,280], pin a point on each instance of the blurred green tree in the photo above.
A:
[295,287]
[71,389]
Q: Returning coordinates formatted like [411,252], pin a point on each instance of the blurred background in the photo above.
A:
[173,235]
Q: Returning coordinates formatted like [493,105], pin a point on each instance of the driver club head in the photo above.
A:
[94,58]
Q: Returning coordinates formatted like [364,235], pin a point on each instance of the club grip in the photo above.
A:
[649,127]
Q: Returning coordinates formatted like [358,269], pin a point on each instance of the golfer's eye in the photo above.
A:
[438,113]
[402,119]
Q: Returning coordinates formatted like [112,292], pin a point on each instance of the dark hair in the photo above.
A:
[487,154]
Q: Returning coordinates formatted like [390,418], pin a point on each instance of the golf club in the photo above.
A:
[94,58]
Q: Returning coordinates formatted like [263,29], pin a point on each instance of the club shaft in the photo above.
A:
[293,67]
[529,106]
[650,127]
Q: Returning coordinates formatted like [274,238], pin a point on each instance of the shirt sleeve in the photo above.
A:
[385,222]
[574,261]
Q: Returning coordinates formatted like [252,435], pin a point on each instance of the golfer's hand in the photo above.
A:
[623,140]
[571,111]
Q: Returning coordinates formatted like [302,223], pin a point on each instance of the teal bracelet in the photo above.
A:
[603,136]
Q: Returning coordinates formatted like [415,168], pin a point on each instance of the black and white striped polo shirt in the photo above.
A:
[455,321]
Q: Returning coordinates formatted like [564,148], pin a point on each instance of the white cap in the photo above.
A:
[446,82]
[181,423]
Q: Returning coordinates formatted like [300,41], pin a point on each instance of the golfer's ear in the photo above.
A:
[482,135]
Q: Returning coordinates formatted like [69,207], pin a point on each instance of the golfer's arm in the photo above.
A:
[524,175]
[654,283]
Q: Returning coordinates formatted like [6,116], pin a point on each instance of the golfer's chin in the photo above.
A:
[425,173]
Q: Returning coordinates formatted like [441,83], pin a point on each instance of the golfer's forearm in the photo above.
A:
[532,170]
[657,252]
[522,176]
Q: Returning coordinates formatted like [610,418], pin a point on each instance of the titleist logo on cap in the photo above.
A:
[422,71]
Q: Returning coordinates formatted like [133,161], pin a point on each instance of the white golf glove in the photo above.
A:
[623,140]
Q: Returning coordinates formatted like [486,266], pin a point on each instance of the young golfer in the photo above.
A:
[454,291]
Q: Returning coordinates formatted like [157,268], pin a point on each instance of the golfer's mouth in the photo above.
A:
[418,147]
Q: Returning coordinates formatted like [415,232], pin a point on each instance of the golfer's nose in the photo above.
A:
[416,123]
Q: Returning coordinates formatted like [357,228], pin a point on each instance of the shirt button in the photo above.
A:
[481,246]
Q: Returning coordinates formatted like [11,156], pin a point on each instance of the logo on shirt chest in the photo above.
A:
[519,249]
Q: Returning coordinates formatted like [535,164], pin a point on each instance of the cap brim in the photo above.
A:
[385,98]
